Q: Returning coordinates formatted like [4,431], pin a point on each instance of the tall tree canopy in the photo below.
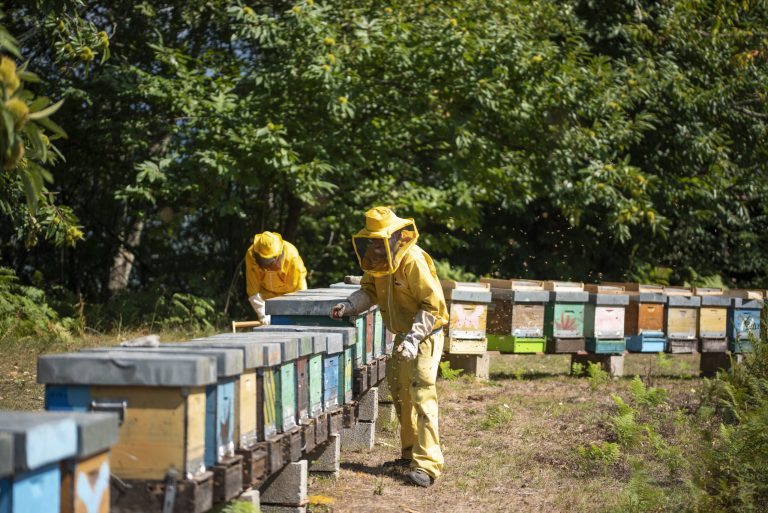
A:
[575,139]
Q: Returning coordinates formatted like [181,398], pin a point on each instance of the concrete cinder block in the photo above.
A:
[385,395]
[611,363]
[276,508]
[368,407]
[710,363]
[359,437]
[475,364]
[387,418]
[288,487]
[251,496]
[326,457]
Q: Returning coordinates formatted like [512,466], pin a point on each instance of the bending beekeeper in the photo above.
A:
[400,278]
[273,267]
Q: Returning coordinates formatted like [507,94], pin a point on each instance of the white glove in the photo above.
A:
[409,348]
[258,304]
[340,310]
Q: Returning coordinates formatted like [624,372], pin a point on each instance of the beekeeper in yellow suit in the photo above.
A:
[400,278]
[273,267]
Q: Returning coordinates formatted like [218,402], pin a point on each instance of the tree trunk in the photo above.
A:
[122,264]
[294,207]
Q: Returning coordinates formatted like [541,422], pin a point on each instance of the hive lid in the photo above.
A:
[637,287]
[324,339]
[292,343]
[716,300]
[252,355]
[647,297]
[96,431]
[123,368]
[746,293]
[683,301]
[271,350]
[466,291]
[569,296]
[229,362]
[38,438]
[709,291]
[6,454]
[514,284]
[563,286]
[678,291]
[604,288]
[315,304]
[611,299]
[740,302]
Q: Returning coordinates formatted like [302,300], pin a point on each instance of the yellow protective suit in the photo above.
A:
[291,276]
[412,304]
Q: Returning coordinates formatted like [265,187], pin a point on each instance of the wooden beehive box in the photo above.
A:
[681,319]
[86,477]
[342,361]
[221,409]
[713,317]
[32,449]
[645,311]
[468,309]
[564,314]
[164,400]
[604,313]
[312,307]
[517,307]
[744,318]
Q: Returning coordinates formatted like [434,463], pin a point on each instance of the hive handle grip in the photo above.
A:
[111,405]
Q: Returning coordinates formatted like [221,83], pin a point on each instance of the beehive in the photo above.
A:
[644,317]
[164,402]
[312,307]
[604,319]
[713,320]
[681,319]
[564,316]
[221,405]
[30,468]
[86,476]
[468,310]
[516,316]
[744,319]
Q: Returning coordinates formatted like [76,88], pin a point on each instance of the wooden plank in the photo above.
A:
[461,346]
[682,323]
[153,434]
[467,320]
[247,411]
[85,485]
[713,322]
[563,285]
[528,320]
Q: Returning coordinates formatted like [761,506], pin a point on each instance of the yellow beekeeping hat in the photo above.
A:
[382,222]
[268,244]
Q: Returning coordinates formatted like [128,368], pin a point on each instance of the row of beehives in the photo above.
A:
[527,316]
[221,413]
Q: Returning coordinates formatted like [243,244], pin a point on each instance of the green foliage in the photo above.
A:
[734,458]
[537,139]
[596,376]
[448,373]
[447,272]
[605,453]
[496,416]
[240,507]
[155,310]
[646,396]
[27,152]
[24,312]
[577,369]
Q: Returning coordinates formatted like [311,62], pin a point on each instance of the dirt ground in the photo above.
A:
[510,443]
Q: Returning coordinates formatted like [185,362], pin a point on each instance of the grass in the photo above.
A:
[510,443]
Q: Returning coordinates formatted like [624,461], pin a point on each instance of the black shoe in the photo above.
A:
[419,478]
[398,463]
